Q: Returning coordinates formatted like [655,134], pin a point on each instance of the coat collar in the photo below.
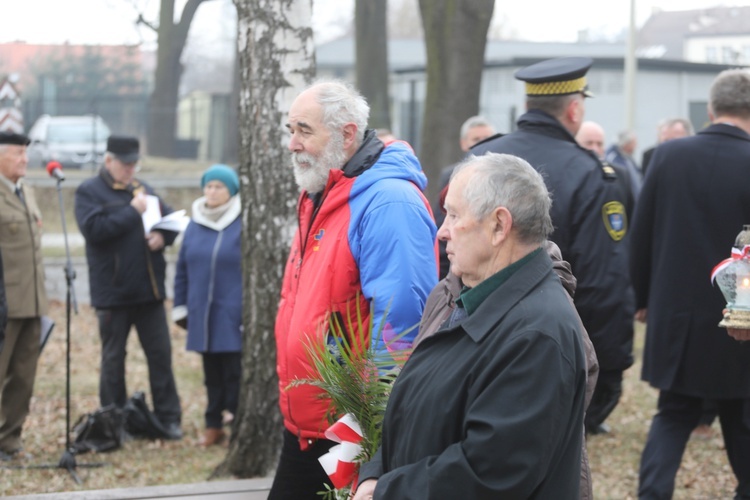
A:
[724,129]
[504,298]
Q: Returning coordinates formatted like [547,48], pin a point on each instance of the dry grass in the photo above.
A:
[139,463]
[705,472]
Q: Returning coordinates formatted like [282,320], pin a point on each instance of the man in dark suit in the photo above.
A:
[693,203]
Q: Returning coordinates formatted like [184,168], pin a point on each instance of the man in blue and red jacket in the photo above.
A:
[365,245]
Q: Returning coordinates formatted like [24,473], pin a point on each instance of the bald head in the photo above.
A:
[591,137]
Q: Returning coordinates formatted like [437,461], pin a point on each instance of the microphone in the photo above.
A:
[54,169]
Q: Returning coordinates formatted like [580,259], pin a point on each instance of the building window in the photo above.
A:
[727,54]
[711,54]
[745,54]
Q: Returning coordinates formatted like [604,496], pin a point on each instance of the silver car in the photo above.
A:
[77,142]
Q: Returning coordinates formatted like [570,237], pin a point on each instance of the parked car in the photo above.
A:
[77,142]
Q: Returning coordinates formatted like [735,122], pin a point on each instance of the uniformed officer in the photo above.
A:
[588,212]
[20,246]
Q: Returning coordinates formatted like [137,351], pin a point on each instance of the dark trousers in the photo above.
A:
[670,430]
[18,361]
[605,398]
[221,371]
[299,475]
[150,322]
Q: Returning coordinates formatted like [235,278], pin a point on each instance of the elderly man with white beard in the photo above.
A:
[364,250]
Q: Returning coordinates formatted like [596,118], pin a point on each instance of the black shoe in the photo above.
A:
[172,431]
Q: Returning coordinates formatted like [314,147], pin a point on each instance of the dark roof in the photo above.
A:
[408,52]
[663,34]
[603,63]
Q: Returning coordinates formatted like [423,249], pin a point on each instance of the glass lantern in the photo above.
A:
[733,277]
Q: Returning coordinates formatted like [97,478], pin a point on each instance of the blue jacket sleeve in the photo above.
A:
[396,258]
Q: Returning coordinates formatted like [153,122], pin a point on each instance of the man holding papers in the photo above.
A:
[126,276]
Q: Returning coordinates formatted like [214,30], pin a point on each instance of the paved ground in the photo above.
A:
[241,489]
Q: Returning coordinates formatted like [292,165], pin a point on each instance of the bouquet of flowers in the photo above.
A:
[357,379]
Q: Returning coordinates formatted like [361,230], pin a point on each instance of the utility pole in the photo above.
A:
[630,70]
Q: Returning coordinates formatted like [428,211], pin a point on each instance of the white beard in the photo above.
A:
[311,172]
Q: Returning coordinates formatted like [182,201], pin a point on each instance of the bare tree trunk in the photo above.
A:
[162,119]
[455,38]
[277,60]
[372,59]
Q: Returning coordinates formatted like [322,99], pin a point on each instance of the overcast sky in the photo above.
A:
[112,21]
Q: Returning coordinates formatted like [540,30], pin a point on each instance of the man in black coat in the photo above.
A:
[126,277]
[490,406]
[694,201]
[589,213]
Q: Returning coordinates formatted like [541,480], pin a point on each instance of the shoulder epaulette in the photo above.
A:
[608,171]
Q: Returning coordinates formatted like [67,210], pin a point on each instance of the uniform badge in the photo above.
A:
[615,219]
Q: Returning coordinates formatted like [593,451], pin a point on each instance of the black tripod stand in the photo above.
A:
[68,459]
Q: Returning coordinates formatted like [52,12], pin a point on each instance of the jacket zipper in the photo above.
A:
[211,282]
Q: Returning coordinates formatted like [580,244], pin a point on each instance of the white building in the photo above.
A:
[664,88]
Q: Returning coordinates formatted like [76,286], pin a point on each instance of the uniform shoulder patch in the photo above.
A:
[615,219]
[608,171]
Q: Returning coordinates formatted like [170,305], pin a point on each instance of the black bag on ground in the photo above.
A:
[98,431]
[140,421]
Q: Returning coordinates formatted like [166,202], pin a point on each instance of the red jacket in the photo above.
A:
[369,245]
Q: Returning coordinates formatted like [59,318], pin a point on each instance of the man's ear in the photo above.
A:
[350,134]
[502,222]
[573,112]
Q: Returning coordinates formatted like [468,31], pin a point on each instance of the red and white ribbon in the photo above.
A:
[736,255]
[339,462]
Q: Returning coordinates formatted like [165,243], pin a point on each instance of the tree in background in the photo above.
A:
[371,36]
[455,39]
[80,79]
[171,38]
[276,61]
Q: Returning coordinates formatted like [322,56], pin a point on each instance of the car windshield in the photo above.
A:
[77,132]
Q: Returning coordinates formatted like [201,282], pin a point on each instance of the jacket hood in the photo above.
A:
[373,162]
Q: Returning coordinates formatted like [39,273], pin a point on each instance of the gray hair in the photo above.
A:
[502,180]
[474,121]
[624,137]
[730,93]
[342,104]
[671,122]
[554,105]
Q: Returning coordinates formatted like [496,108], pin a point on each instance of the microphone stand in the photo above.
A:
[68,459]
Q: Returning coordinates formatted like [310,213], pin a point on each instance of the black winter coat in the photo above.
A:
[694,201]
[493,406]
[122,270]
[589,205]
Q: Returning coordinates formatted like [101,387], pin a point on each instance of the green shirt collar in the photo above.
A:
[471,298]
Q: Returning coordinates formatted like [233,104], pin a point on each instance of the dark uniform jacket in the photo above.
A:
[694,201]
[590,216]
[493,406]
[122,270]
